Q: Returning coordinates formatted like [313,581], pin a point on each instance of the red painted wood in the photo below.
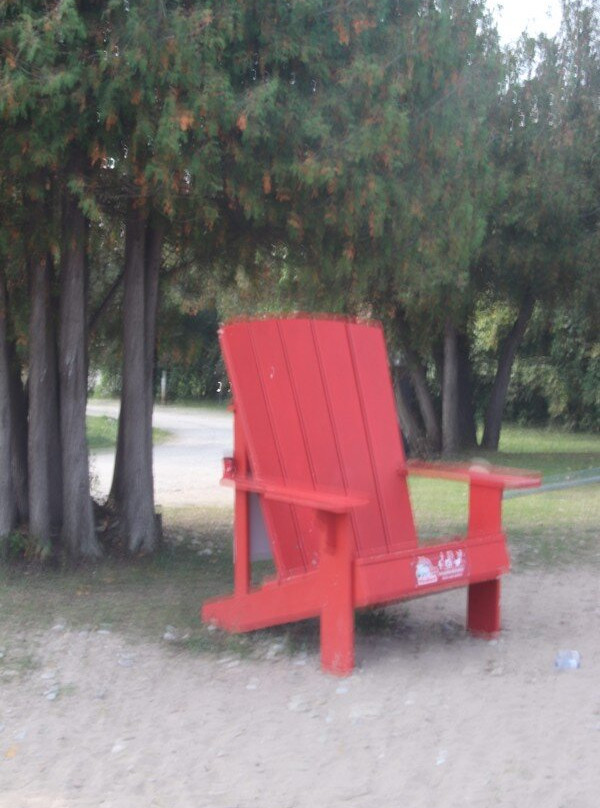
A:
[499,477]
[394,577]
[329,501]
[483,608]
[255,416]
[383,433]
[485,509]
[350,432]
[337,607]
[241,538]
[317,438]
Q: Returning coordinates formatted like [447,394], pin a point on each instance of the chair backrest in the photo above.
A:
[317,409]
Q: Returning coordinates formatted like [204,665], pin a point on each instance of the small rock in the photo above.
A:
[58,627]
[340,689]
[117,747]
[170,634]
[51,695]
[51,674]
[252,686]
[126,660]
[274,650]
[441,758]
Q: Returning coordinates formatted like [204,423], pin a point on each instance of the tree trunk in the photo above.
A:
[467,426]
[78,532]
[426,405]
[8,506]
[42,465]
[419,383]
[153,259]
[19,406]
[510,345]
[132,489]
[409,421]
[53,406]
[450,387]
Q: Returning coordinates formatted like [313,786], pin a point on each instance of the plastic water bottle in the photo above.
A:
[567,660]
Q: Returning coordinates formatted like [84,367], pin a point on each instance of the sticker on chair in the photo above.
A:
[443,566]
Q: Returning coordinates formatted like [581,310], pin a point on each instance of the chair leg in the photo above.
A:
[483,609]
[337,637]
[337,604]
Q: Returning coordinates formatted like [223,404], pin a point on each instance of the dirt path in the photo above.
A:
[430,718]
[188,467]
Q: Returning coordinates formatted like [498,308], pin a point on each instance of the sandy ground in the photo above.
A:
[431,717]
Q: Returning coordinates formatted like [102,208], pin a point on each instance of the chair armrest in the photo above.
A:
[477,474]
[336,502]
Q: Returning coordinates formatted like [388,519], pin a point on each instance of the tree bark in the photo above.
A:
[108,298]
[422,392]
[467,426]
[78,531]
[8,505]
[43,467]
[53,405]
[510,345]
[409,421]
[426,405]
[450,388]
[19,406]
[153,256]
[132,489]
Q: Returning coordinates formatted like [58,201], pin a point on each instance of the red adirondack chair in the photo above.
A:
[321,479]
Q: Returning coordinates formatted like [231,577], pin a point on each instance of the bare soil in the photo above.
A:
[431,717]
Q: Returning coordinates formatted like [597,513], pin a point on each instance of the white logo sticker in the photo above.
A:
[444,566]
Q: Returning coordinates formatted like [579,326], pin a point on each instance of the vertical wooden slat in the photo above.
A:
[236,342]
[383,433]
[317,406]
[350,432]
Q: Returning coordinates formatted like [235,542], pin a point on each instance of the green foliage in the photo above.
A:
[369,158]
[556,377]
[189,353]
[364,144]
[562,382]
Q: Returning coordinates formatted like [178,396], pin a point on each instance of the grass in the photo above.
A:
[551,451]
[102,432]
[141,597]
[549,529]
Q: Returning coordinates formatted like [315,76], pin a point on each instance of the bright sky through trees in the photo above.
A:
[537,16]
